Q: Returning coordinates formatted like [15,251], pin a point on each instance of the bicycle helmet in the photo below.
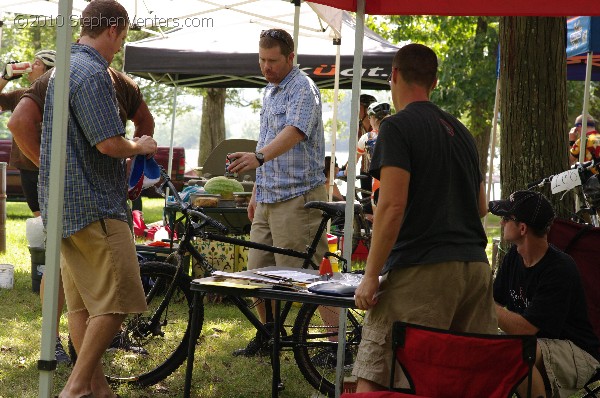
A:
[366,99]
[379,109]
[48,57]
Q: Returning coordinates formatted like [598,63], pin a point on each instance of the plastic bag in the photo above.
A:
[35,233]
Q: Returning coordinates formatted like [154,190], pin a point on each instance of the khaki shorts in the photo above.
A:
[454,295]
[568,367]
[288,225]
[100,270]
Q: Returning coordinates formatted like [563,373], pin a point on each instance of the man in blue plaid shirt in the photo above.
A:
[289,161]
[99,266]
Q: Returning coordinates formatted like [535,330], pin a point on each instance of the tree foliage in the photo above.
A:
[467,55]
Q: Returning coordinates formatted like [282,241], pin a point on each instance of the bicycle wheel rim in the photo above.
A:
[161,349]
[312,337]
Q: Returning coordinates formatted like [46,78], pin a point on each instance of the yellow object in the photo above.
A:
[222,256]
[334,261]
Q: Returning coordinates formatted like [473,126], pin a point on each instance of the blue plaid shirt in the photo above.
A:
[95,184]
[295,101]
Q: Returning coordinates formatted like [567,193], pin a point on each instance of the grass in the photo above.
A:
[216,372]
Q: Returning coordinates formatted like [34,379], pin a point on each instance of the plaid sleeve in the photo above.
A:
[95,109]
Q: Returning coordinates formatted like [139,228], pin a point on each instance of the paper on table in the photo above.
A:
[290,276]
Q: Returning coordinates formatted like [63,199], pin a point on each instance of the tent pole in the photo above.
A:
[351,181]
[336,88]
[296,29]
[54,227]
[584,116]
[492,148]
[173,117]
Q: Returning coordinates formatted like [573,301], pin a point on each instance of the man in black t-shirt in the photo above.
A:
[538,291]
[427,238]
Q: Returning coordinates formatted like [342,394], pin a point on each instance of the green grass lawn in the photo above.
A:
[216,372]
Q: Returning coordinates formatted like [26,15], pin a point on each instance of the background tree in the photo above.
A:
[467,53]
[533,102]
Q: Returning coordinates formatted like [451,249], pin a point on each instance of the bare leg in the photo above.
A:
[90,341]
[537,382]
[61,300]
[364,385]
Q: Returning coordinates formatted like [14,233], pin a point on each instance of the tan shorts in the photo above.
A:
[568,367]
[100,270]
[453,295]
[288,225]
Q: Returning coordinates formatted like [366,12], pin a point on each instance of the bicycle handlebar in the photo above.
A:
[185,207]
[580,167]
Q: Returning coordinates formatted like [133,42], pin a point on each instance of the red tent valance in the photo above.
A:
[553,8]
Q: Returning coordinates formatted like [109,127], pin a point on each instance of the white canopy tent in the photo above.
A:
[311,20]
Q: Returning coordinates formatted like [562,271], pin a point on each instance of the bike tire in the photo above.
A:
[312,338]
[166,345]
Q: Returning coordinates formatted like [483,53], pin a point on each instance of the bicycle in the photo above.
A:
[581,177]
[168,286]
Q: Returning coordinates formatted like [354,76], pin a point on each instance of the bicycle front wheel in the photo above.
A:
[315,344]
[152,345]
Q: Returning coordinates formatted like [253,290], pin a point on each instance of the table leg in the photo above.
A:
[192,344]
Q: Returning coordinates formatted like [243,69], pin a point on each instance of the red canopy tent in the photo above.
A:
[549,8]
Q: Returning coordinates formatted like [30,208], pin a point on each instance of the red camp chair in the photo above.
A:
[443,364]
[582,242]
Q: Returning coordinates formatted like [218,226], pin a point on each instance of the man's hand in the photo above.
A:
[244,161]
[365,295]
[146,145]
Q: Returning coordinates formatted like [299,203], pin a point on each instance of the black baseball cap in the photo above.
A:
[529,207]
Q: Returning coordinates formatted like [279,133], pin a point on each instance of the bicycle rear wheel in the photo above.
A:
[315,344]
[154,344]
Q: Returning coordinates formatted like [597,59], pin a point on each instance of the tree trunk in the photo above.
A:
[533,107]
[212,126]
[480,125]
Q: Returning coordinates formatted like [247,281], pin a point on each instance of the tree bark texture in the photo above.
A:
[533,105]
[212,126]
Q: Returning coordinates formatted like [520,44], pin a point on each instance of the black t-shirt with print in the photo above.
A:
[549,295]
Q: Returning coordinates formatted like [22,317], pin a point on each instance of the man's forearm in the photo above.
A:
[283,142]
[513,323]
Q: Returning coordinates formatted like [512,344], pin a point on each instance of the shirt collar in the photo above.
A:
[78,47]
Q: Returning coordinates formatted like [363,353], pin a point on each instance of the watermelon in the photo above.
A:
[223,186]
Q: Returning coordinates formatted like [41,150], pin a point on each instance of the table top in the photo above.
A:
[211,285]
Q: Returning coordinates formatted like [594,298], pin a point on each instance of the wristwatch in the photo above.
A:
[260,157]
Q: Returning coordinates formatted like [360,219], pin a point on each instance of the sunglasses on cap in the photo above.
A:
[277,35]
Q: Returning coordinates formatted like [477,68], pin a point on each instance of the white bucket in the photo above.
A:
[6,276]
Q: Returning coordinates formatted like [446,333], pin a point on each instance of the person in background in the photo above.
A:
[99,267]
[43,61]
[592,143]
[538,291]
[430,246]
[28,169]
[364,126]
[377,111]
[288,161]
[336,195]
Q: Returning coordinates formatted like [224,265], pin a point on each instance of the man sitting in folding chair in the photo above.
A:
[538,291]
